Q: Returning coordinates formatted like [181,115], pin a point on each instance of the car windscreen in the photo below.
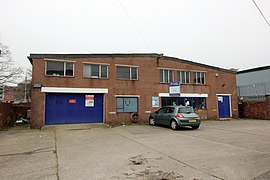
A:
[186,110]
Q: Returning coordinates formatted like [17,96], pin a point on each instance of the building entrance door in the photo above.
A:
[224,106]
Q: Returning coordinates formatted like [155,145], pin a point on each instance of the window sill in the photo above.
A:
[198,84]
[95,78]
[180,83]
[127,79]
[59,76]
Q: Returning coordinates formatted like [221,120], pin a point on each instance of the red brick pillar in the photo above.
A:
[267,106]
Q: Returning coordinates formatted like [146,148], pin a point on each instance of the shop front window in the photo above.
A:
[195,102]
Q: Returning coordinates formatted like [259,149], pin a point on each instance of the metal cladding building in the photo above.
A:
[97,88]
[253,84]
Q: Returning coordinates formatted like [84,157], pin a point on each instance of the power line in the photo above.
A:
[133,23]
[261,13]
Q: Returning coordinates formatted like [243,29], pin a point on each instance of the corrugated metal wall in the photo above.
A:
[253,86]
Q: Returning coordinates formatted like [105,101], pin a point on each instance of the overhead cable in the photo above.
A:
[261,13]
[134,25]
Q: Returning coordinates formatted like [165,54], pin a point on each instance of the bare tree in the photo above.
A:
[9,73]
[28,86]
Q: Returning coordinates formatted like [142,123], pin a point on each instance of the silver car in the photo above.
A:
[175,117]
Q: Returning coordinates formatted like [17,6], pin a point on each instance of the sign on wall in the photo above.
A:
[72,101]
[155,101]
[89,100]
[174,88]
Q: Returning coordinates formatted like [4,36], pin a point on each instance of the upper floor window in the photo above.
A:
[1,93]
[125,72]
[59,68]
[95,71]
[198,77]
[165,76]
[183,77]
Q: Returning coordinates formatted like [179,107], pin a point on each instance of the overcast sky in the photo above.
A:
[222,33]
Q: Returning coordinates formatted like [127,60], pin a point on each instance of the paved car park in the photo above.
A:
[236,149]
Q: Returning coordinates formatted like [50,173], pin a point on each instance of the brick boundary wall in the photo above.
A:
[7,115]
[10,112]
[255,110]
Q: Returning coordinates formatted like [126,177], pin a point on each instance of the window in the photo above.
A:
[59,68]
[126,104]
[124,72]
[183,77]
[169,110]
[161,110]
[186,110]
[166,76]
[1,93]
[198,77]
[195,102]
[95,71]
[199,103]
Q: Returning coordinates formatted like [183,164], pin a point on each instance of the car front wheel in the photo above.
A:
[152,121]
[174,125]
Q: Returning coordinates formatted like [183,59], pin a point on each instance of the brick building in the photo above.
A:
[16,94]
[85,88]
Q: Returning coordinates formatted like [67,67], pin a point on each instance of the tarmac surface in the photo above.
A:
[236,149]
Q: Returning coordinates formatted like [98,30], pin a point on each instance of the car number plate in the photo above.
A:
[192,120]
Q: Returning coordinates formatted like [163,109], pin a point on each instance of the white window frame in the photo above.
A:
[51,60]
[130,72]
[196,80]
[99,73]
[168,77]
[179,75]
[126,97]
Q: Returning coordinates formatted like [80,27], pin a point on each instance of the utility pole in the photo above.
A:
[25,89]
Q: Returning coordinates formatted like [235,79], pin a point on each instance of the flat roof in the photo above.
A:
[122,55]
[254,69]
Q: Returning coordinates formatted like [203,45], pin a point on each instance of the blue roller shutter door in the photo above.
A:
[71,109]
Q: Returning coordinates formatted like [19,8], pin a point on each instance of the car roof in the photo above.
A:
[178,106]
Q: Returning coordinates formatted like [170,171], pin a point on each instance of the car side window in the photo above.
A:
[170,110]
[162,110]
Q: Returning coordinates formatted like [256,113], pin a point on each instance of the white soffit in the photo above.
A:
[183,95]
[74,90]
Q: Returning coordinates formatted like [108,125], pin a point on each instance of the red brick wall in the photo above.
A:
[7,116]
[37,109]
[267,101]
[10,112]
[147,86]
[256,110]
